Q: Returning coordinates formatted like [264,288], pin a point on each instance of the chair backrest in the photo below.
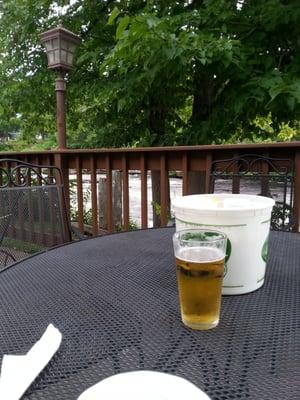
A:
[33,196]
[259,175]
[4,224]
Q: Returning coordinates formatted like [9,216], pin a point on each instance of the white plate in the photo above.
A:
[143,385]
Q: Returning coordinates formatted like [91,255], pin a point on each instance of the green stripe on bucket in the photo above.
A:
[233,286]
[266,221]
[261,279]
[213,225]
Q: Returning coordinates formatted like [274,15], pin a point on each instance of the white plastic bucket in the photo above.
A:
[245,219]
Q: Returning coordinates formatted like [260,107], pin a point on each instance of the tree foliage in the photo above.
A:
[156,72]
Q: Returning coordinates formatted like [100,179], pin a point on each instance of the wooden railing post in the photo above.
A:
[144,192]
[61,161]
[109,194]
[125,192]
[163,191]
[185,174]
[236,179]
[265,184]
[94,195]
[208,171]
[79,194]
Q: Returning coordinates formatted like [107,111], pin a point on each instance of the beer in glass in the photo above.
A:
[200,256]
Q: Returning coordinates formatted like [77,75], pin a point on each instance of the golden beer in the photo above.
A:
[200,275]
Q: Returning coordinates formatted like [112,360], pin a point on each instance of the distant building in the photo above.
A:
[6,136]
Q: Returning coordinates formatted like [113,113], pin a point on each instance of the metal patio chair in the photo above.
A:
[4,224]
[34,210]
[259,175]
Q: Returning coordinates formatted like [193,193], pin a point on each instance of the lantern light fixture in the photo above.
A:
[60,44]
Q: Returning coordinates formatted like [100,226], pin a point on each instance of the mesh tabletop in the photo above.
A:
[114,298]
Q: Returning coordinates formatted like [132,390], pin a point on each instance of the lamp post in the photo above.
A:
[60,46]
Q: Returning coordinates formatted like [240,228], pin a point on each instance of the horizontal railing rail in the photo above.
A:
[83,169]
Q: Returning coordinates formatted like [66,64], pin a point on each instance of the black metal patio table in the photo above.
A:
[114,298]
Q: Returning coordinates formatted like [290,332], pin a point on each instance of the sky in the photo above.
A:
[58,10]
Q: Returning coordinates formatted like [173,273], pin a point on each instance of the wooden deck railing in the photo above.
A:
[90,163]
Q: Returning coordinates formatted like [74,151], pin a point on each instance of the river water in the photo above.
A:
[222,186]
[134,195]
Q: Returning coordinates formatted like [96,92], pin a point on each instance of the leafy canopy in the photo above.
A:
[155,72]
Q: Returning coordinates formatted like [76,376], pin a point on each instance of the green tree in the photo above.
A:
[220,64]
[155,72]
[229,64]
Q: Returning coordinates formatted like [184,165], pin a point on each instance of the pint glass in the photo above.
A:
[200,256]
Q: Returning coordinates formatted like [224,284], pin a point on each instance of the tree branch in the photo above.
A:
[195,4]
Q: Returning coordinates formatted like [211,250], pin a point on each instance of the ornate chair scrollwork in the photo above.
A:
[260,175]
[32,209]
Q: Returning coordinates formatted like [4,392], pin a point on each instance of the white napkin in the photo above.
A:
[18,372]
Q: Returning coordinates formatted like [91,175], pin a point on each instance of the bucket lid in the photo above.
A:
[223,204]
